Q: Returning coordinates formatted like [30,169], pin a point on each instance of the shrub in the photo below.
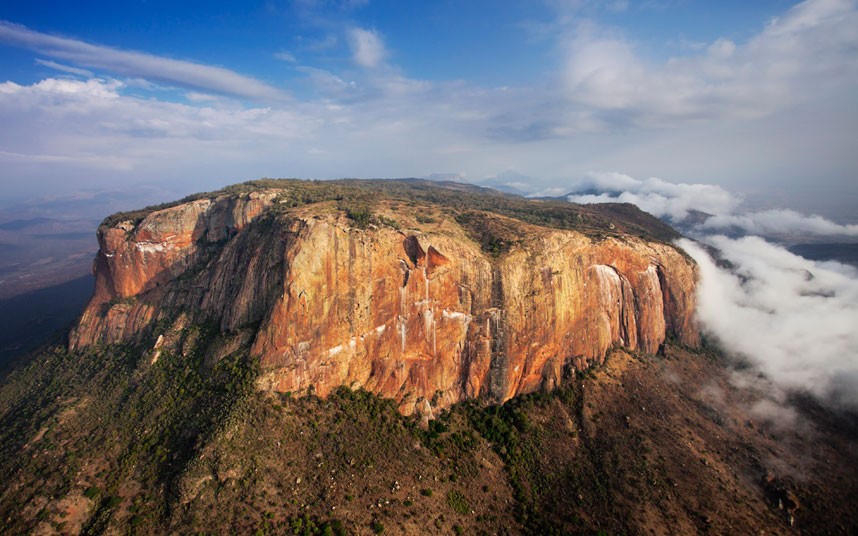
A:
[458,503]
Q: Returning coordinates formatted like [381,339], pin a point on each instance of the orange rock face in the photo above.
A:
[421,315]
[134,260]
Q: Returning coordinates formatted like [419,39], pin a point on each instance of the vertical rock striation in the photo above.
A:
[424,316]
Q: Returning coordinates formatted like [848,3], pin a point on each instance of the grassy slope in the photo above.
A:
[641,445]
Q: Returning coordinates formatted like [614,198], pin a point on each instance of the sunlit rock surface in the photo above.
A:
[420,313]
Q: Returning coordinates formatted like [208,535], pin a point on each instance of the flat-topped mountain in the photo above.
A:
[426,293]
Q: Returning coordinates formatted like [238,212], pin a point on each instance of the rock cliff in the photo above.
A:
[411,306]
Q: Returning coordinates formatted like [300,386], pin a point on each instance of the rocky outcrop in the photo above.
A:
[420,313]
[142,271]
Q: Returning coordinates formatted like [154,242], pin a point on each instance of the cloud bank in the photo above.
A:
[656,196]
[676,202]
[778,221]
[794,319]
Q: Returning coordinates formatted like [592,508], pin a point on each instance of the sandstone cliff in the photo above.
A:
[415,310]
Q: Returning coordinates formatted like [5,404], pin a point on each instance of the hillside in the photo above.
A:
[404,357]
[641,445]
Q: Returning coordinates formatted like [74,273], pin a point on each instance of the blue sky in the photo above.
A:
[758,97]
[484,42]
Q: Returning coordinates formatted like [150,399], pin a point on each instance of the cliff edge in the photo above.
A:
[413,291]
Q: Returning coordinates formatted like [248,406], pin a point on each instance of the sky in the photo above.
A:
[757,98]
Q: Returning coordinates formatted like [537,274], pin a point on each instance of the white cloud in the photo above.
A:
[781,221]
[795,57]
[63,124]
[656,196]
[196,96]
[56,87]
[674,201]
[367,47]
[367,130]
[139,64]
[327,83]
[793,318]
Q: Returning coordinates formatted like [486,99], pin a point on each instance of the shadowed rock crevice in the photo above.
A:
[413,250]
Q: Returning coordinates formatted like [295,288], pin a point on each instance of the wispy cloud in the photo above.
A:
[285,55]
[64,68]
[776,222]
[367,47]
[140,64]
[64,126]
[196,96]
[369,129]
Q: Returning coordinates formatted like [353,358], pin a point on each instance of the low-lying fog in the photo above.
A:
[795,319]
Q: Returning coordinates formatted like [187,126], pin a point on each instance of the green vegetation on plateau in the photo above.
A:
[461,201]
